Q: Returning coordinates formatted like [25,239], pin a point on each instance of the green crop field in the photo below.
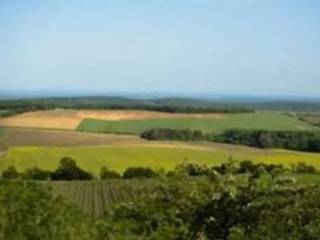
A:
[97,197]
[1,131]
[259,120]
[307,178]
[157,155]
[312,118]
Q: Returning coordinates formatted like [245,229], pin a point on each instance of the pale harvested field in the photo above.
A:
[70,119]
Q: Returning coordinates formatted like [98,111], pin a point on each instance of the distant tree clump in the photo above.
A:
[232,167]
[303,168]
[105,173]
[36,174]
[294,140]
[139,172]
[173,134]
[10,173]
[68,170]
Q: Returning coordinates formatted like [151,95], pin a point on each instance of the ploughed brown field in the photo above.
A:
[70,119]
[40,137]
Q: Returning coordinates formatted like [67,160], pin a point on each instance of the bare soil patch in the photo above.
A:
[38,137]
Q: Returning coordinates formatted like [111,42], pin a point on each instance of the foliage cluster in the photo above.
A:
[68,170]
[174,134]
[216,205]
[221,208]
[293,140]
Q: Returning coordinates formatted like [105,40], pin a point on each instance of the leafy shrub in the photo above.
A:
[105,173]
[191,169]
[139,172]
[303,168]
[36,174]
[68,170]
[10,173]
[29,211]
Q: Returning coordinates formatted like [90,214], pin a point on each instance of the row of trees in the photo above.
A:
[174,134]
[293,140]
[243,167]
[118,103]
[68,170]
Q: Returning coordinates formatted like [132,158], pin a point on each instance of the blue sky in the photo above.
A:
[247,47]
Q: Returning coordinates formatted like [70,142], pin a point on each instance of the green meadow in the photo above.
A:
[156,156]
[258,120]
[2,130]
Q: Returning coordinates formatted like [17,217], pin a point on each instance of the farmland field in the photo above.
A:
[1,131]
[312,118]
[37,137]
[259,120]
[157,155]
[70,119]
[98,197]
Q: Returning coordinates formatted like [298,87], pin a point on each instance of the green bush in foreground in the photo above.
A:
[235,208]
[225,205]
[28,211]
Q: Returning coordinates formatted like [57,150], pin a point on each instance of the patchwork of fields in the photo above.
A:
[259,120]
[37,141]
[27,148]
[70,119]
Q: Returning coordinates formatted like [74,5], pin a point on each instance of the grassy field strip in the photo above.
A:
[311,118]
[259,120]
[119,157]
[2,131]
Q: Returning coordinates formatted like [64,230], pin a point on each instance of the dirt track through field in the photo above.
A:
[70,119]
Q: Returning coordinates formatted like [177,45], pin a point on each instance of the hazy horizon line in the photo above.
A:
[156,94]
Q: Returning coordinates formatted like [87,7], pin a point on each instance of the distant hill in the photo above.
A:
[172,104]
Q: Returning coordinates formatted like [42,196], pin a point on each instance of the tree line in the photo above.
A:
[23,105]
[68,170]
[292,140]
